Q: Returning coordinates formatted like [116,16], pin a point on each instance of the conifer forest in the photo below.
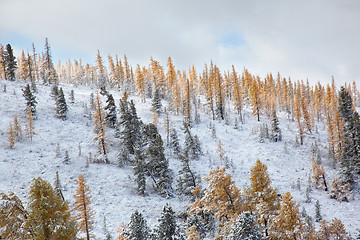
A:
[116,150]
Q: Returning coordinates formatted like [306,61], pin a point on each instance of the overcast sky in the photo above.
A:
[307,39]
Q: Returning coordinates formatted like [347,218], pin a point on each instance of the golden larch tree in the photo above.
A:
[99,129]
[11,136]
[140,82]
[261,198]
[255,97]
[84,213]
[287,225]
[29,128]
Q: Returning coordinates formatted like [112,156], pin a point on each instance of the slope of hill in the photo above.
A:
[113,188]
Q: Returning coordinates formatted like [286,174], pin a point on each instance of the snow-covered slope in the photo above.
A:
[113,188]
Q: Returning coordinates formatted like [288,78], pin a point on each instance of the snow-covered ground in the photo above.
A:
[113,188]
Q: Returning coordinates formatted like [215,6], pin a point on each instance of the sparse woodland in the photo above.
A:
[161,154]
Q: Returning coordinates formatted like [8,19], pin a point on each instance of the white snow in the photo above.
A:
[113,188]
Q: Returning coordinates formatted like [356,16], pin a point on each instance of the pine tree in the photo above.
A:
[166,230]
[99,128]
[30,99]
[49,216]
[187,180]
[275,133]
[110,109]
[84,213]
[138,229]
[29,128]
[244,228]
[11,136]
[10,63]
[61,106]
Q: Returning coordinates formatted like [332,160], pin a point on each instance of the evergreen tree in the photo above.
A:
[158,165]
[54,91]
[30,99]
[167,227]
[187,180]
[66,157]
[138,229]
[84,213]
[245,228]
[140,168]
[72,97]
[61,106]
[318,216]
[191,144]
[49,216]
[110,111]
[10,63]
[174,142]
[49,73]
[156,102]
[275,134]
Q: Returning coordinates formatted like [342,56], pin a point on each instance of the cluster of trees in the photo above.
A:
[223,211]
[47,215]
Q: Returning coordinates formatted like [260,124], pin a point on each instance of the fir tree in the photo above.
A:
[275,134]
[30,99]
[156,102]
[61,106]
[138,229]
[49,216]
[10,63]
[158,165]
[174,142]
[66,157]
[167,227]
[84,213]
[191,144]
[72,97]
[140,169]
[54,91]
[187,180]
[318,216]
[110,111]
[245,228]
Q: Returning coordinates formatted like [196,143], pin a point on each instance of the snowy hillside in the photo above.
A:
[114,193]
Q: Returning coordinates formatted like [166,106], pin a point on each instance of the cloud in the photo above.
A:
[301,39]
